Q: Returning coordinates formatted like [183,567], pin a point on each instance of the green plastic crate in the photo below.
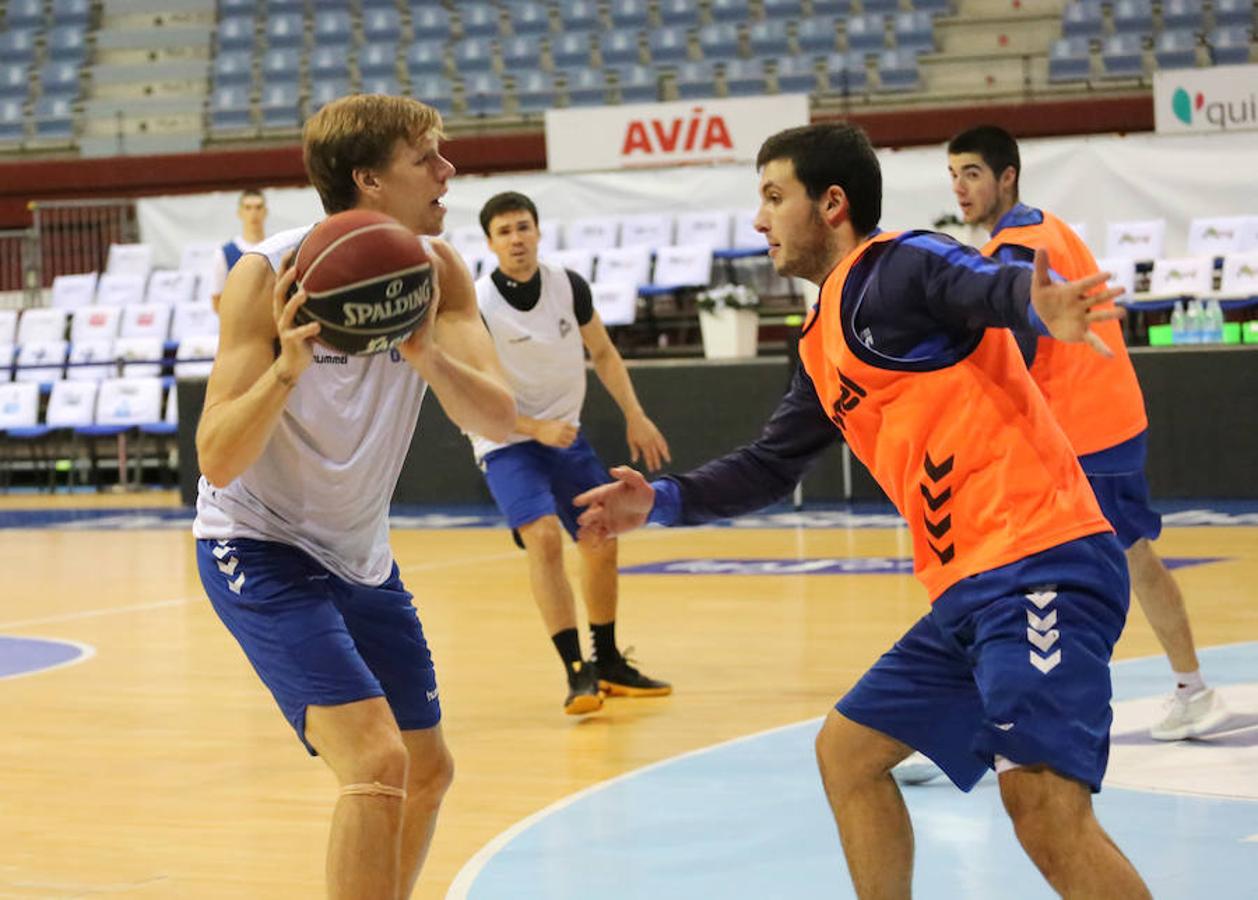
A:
[1249,331]
[1231,332]
[1160,336]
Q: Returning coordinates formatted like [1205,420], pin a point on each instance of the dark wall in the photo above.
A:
[1201,403]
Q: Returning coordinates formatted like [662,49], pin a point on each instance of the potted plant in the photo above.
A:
[729,320]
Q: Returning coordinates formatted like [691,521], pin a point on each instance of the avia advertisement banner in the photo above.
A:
[686,132]
[1204,101]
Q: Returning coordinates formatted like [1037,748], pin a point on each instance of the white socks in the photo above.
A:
[1188,683]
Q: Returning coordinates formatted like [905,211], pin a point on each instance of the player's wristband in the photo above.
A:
[667,508]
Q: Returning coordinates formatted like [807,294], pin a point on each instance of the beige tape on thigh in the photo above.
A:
[373,789]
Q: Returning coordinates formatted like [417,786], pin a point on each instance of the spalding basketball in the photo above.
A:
[367,280]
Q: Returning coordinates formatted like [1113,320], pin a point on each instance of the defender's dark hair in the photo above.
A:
[506,202]
[827,154]
[996,146]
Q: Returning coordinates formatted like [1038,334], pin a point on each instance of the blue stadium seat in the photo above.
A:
[368,5]
[886,7]
[897,71]
[426,57]
[281,7]
[1183,15]
[72,12]
[620,47]
[832,7]
[18,45]
[769,38]
[478,19]
[59,79]
[696,79]
[1122,56]
[15,81]
[1176,49]
[54,118]
[775,10]
[381,84]
[529,18]
[670,44]
[474,55]
[281,64]
[323,91]
[579,15]
[1233,12]
[914,31]
[378,60]
[534,91]
[24,14]
[236,33]
[719,41]
[1070,59]
[433,90]
[228,9]
[934,7]
[629,13]
[797,75]
[522,52]
[745,78]
[429,21]
[570,50]
[1133,17]
[67,43]
[638,84]
[729,12]
[381,24]
[846,73]
[286,30]
[333,28]
[1082,18]
[482,92]
[679,12]
[233,67]
[1229,45]
[817,34]
[327,63]
[12,123]
[586,87]
[279,104]
[229,108]
[866,34]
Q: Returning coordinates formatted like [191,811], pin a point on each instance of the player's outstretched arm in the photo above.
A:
[453,352]
[643,438]
[1066,308]
[249,384]
[614,508]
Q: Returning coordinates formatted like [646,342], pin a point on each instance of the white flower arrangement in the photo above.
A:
[727,296]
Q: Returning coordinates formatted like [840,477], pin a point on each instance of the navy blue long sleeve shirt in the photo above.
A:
[917,303]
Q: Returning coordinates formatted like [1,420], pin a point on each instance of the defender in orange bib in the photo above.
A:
[909,357]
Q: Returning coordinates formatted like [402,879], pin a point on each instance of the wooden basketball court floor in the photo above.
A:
[155,764]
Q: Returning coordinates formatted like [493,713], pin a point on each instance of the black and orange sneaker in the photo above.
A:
[619,678]
[583,694]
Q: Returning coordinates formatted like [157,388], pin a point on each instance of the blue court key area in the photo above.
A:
[841,565]
[21,656]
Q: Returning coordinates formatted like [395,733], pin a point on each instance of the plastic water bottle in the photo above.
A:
[1179,324]
[1192,322]
[1212,323]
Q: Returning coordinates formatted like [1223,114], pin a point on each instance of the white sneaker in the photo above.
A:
[916,769]
[1193,716]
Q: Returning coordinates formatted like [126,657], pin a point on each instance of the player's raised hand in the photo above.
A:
[296,353]
[645,440]
[614,508]
[1068,308]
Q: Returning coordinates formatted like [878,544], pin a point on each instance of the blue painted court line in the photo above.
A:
[835,565]
[747,820]
[25,656]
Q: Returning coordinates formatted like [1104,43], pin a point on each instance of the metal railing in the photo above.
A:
[19,273]
[73,236]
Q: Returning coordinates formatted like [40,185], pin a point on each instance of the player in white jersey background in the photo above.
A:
[542,320]
[301,452]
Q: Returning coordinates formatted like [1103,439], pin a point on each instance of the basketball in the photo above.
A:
[367,279]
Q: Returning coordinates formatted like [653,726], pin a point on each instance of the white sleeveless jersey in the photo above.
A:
[541,352]
[326,477]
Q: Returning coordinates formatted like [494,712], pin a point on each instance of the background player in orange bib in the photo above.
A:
[909,357]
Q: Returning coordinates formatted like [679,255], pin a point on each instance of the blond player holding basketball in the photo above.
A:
[301,450]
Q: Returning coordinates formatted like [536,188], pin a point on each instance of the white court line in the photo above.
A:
[86,652]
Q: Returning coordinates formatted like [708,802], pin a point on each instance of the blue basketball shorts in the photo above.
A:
[1124,499]
[316,639]
[1013,662]
[530,480]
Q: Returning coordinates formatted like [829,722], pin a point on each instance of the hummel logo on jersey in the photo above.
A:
[564,327]
[850,396]
[331,359]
